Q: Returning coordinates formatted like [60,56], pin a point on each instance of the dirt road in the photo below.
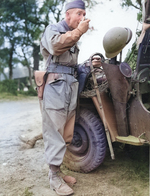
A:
[23,172]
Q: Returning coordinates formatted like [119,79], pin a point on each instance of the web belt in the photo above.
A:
[57,68]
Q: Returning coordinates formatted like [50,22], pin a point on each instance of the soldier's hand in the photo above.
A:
[84,25]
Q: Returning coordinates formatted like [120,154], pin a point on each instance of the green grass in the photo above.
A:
[131,168]
[11,97]
[27,193]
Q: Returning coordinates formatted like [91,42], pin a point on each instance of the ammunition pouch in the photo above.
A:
[40,82]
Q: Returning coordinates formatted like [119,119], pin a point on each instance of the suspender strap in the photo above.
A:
[57,68]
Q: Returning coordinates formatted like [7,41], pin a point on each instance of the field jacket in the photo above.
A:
[60,42]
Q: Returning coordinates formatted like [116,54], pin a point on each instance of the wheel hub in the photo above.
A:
[77,140]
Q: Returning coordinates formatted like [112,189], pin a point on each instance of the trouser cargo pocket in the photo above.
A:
[61,93]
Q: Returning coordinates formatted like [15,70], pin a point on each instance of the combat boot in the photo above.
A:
[68,179]
[57,183]
[30,142]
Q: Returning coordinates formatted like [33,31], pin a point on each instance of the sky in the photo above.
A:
[104,17]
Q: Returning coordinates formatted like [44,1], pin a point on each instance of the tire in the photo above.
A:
[88,148]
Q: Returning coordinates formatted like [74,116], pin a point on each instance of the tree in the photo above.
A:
[9,30]
[137,4]
[3,61]
[18,30]
[13,27]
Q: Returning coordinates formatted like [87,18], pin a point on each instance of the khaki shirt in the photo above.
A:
[61,42]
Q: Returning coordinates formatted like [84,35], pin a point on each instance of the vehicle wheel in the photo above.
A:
[88,148]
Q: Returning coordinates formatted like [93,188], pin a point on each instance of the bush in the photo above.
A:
[30,92]
[9,86]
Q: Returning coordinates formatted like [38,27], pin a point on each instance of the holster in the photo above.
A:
[40,82]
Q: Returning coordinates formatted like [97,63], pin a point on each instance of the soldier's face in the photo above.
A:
[74,17]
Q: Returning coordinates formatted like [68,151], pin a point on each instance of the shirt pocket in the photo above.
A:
[64,58]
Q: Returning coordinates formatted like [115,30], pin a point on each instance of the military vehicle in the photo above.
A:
[113,105]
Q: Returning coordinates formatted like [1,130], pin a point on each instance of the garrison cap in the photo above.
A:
[75,4]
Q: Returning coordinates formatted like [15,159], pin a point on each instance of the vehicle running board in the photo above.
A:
[137,141]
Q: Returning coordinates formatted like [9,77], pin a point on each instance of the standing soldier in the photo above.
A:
[59,48]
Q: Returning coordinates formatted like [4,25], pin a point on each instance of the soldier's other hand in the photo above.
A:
[84,25]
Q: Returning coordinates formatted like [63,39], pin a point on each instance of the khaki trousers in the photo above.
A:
[58,116]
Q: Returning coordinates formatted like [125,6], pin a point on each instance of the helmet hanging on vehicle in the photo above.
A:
[115,40]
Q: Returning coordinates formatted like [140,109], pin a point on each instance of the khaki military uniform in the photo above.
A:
[58,46]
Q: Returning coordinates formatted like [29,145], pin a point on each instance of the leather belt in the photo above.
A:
[57,68]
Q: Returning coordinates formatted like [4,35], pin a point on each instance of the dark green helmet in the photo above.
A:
[115,40]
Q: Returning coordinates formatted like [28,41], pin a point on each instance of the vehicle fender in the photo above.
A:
[119,88]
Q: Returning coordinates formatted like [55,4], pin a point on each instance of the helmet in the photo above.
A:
[115,40]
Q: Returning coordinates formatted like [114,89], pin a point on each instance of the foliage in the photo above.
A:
[27,192]
[134,3]
[132,168]
[3,60]
[14,26]
[90,4]
[30,92]
[131,57]
[137,4]
[9,86]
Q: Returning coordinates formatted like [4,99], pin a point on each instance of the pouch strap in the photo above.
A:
[57,68]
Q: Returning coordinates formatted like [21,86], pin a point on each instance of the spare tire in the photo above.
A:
[88,148]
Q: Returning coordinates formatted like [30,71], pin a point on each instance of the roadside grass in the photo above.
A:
[9,90]
[10,97]
[27,192]
[131,168]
